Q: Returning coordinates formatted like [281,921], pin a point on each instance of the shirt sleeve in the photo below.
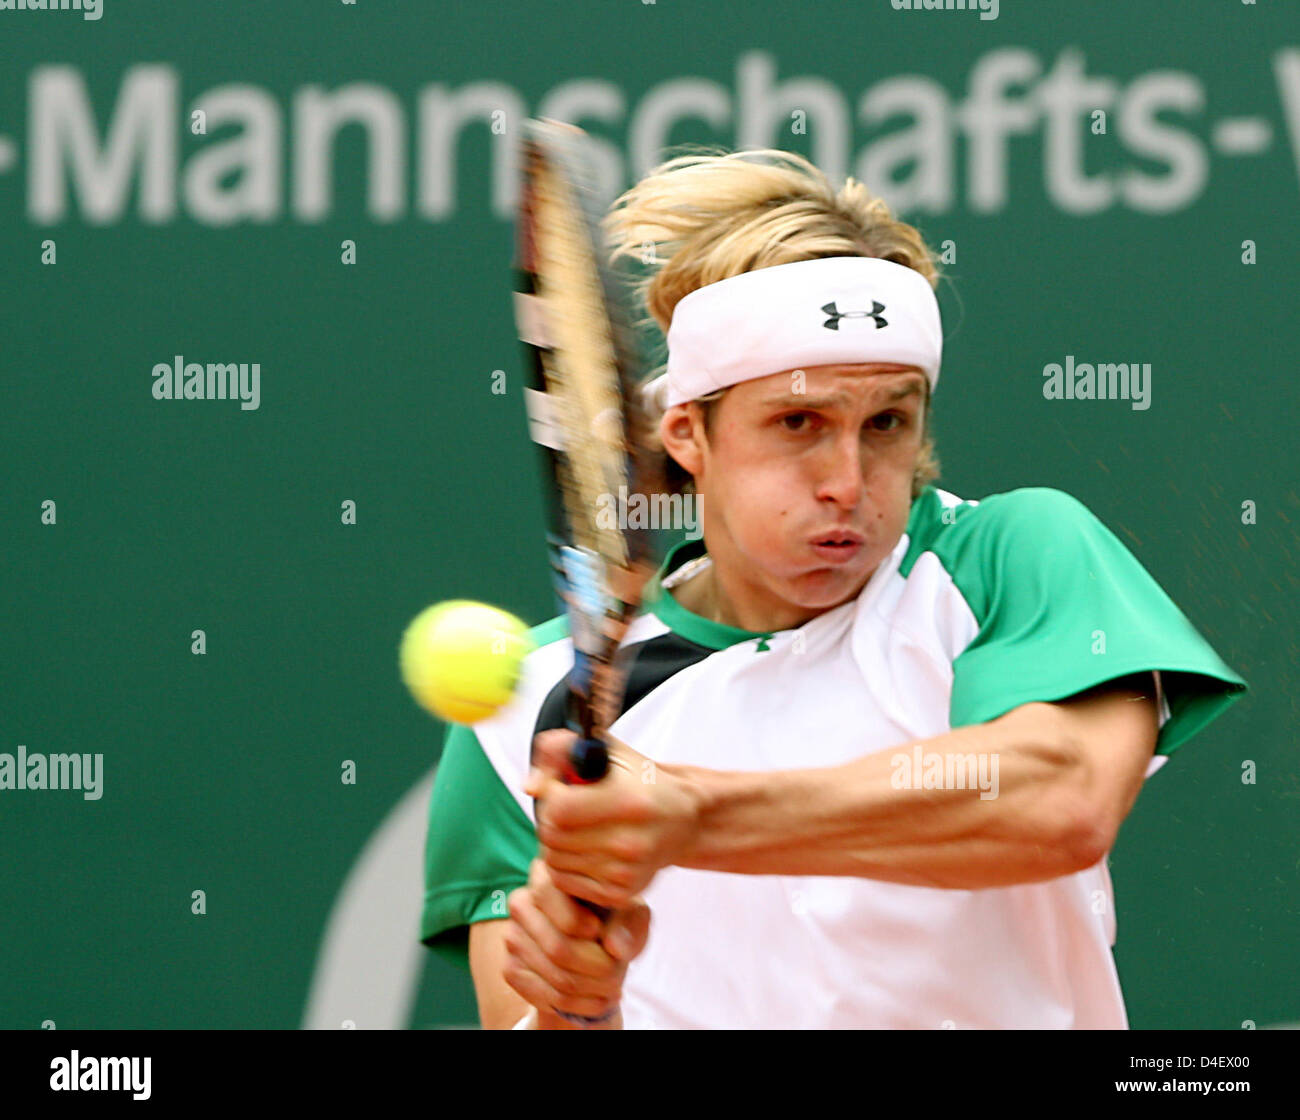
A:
[1062,605]
[478,847]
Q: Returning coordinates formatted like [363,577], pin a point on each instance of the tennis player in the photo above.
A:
[878,739]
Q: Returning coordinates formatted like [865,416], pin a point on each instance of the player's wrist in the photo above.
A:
[701,789]
[604,1021]
[739,814]
[549,1019]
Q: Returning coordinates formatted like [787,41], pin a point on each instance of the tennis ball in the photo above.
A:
[461,659]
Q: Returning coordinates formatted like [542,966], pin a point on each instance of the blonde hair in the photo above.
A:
[711,214]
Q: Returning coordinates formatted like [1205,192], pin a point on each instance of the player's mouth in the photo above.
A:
[838,545]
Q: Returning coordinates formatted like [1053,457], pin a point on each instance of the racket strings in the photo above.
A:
[581,370]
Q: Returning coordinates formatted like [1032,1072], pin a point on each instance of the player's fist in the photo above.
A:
[606,841]
[560,957]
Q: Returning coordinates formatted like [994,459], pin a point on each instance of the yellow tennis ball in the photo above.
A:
[461,659]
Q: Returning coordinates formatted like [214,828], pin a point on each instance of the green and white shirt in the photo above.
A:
[982,606]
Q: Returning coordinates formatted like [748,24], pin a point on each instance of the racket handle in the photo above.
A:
[588,762]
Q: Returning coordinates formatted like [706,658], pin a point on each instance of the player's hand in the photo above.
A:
[560,957]
[605,841]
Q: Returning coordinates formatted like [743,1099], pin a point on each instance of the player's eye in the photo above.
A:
[797,421]
[898,417]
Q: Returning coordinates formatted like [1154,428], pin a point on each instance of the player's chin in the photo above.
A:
[825,587]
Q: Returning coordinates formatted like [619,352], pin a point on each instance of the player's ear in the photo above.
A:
[681,428]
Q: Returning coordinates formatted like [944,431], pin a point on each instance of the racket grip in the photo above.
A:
[588,762]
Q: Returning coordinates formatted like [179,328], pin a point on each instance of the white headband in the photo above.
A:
[791,316]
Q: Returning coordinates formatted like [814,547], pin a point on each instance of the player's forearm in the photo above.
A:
[856,820]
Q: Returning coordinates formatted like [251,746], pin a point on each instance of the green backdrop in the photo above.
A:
[1120,239]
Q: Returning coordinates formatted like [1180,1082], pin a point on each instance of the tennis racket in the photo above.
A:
[584,411]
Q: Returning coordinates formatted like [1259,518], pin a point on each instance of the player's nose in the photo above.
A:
[843,472]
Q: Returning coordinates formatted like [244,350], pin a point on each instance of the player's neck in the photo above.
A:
[704,594]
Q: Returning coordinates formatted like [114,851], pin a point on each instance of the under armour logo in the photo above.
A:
[833,323]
